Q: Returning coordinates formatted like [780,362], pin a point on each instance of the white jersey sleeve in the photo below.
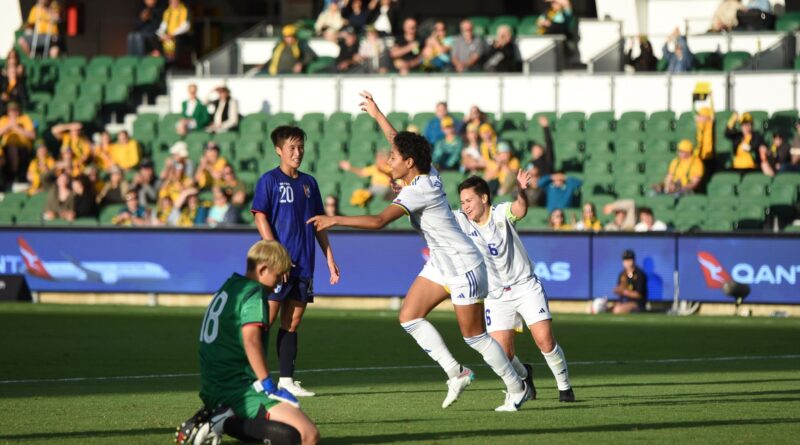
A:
[411,199]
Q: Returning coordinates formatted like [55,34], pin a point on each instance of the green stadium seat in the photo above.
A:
[658,148]
[124,74]
[321,65]
[631,122]
[599,122]
[692,203]
[97,74]
[129,61]
[597,146]
[92,91]
[783,121]
[59,111]
[508,20]
[226,142]
[116,94]
[626,189]
[147,76]
[421,120]
[85,111]
[751,217]
[570,122]
[707,61]
[72,66]
[398,119]
[85,221]
[626,168]
[788,22]
[736,60]
[108,212]
[792,229]
[527,26]
[660,202]
[594,167]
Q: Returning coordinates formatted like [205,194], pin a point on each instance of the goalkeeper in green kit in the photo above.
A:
[240,399]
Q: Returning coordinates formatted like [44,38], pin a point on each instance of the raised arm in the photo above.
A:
[367,222]
[519,208]
[371,108]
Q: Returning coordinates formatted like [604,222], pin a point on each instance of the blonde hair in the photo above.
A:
[271,253]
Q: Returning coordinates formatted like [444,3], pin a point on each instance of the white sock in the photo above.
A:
[286,381]
[496,358]
[519,367]
[430,341]
[558,365]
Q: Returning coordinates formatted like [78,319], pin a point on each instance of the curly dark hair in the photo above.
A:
[479,184]
[416,147]
[285,132]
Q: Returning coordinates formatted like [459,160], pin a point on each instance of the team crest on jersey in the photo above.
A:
[307,190]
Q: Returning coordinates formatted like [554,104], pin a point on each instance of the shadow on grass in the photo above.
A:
[499,433]
[695,383]
[88,434]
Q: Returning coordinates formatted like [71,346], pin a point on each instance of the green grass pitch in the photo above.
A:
[638,379]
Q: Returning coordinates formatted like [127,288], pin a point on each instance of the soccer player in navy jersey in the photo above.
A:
[285,198]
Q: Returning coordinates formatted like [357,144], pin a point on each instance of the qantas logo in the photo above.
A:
[715,275]
[426,254]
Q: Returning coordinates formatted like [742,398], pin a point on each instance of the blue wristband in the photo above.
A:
[266,385]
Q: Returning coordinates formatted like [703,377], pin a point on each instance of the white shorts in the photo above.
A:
[469,288]
[527,300]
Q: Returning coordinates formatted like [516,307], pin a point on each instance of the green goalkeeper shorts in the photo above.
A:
[244,405]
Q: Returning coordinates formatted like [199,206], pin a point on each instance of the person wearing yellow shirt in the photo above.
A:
[590,222]
[501,170]
[379,174]
[101,152]
[71,136]
[685,172]
[40,168]
[747,144]
[557,221]
[125,153]
[16,140]
[488,145]
[43,22]
[704,144]
[209,172]
[175,25]
[69,163]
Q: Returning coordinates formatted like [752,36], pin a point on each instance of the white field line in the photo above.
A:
[392,368]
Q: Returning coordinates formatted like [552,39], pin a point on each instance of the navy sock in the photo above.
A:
[287,352]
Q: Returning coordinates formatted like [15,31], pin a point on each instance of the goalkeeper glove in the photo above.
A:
[268,387]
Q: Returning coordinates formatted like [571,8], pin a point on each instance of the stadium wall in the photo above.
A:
[573,266]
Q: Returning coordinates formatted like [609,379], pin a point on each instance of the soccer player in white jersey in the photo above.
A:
[514,289]
[455,264]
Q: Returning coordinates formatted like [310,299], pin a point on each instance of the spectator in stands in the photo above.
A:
[379,174]
[557,19]
[356,14]
[631,286]
[221,212]
[194,112]
[471,159]
[680,58]
[560,190]
[235,189]
[93,178]
[115,189]
[40,169]
[724,18]
[187,211]
[13,87]
[85,203]
[407,50]
[331,205]
[475,116]
[436,54]
[42,26]
[685,172]
[590,222]
[101,152]
[747,144]
[125,152]
[624,215]
[69,163]
[146,184]
[330,21]
[385,16]
[209,171]
[646,60]
[447,151]
[349,60]
[777,158]
[795,148]
[502,170]
[468,50]
[557,221]
[224,112]
[16,141]
[375,58]
[290,55]
[542,162]
[488,141]
[704,145]
[133,214]
[174,30]
[144,39]
[648,222]
[503,56]
[71,136]
[433,129]
[60,202]
[760,5]
[160,217]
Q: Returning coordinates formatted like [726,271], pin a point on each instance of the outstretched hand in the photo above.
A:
[368,105]
[322,222]
[523,179]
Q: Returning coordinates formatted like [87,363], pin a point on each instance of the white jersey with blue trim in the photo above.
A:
[424,201]
[506,258]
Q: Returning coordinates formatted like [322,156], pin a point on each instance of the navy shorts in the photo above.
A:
[296,288]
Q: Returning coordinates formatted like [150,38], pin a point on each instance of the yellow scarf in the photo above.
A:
[175,17]
[276,56]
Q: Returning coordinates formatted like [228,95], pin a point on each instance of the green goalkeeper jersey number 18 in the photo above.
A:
[225,373]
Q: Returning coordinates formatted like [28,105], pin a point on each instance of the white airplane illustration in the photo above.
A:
[108,272]
[713,269]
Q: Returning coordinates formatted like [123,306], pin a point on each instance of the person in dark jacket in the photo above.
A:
[143,40]
[646,60]
[503,55]
[747,143]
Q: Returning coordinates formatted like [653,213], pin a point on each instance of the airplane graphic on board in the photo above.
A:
[716,275]
[108,272]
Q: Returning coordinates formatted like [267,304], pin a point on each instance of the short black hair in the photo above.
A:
[286,132]
[416,147]
[647,210]
[479,184]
